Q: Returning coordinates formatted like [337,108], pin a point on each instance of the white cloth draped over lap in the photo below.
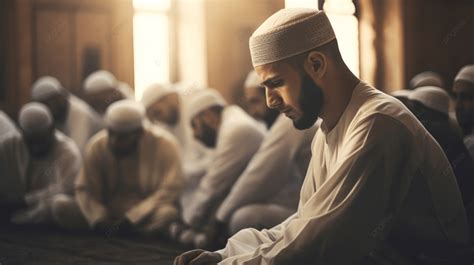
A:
[275,173]
[239,137]
[376,176]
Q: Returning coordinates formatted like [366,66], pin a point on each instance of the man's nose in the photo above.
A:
[273,100]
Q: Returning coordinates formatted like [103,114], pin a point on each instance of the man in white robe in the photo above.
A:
[267,192]
[236,137]
[379,189]
[36,166]
[131,177]
[101,89]
[72,116]
[166,107]
[463,88]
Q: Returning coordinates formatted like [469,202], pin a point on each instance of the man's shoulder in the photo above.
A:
[376,105]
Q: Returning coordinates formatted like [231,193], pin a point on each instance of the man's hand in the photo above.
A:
[198,257]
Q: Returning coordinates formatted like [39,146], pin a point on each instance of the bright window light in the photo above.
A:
[150,43]
[301,3]
[345,25]
[163,5]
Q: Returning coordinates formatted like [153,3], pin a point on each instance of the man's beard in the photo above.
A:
[310,101]
[209,136]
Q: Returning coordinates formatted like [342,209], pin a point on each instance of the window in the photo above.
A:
[151,41]
[341,13]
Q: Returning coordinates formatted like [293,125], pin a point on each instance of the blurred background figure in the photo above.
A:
[430,105]
[132,176]
[37,166]
[72,116]
[166,107]
[463,88]
[235,137]
[101,89]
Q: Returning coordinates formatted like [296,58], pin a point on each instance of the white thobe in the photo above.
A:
[81,123]
[239,137]
[137,186]
[378,186]
[275,173]
[37,179]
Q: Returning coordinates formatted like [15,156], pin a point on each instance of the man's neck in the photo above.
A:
[341,95]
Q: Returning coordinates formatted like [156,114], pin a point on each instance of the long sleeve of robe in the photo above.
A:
[273,173]
[238,139]
[378,186]
[154,178]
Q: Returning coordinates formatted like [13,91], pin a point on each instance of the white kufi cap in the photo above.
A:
[289,32]
[427,78]
[46,87]
[35,117]
[155,92]
[99,81]
[203,100]
[125,115]
[432,97]
[466,74]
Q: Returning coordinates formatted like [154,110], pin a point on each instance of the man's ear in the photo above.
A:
[316,63]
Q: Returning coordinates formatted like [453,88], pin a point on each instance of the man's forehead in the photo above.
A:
[273,70]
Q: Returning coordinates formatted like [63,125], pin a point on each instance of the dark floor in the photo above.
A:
[46,245]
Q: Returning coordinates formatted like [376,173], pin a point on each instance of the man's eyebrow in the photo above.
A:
[269,80]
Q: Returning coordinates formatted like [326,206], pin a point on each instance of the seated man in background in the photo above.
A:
[36,166]
[166,106]
[267,192]
[131,178]
[101,89]
[430,105]
[463,88]
[72,116]
[236,137]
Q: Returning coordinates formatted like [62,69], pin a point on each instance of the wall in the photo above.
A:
[52,37]
[439,36]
